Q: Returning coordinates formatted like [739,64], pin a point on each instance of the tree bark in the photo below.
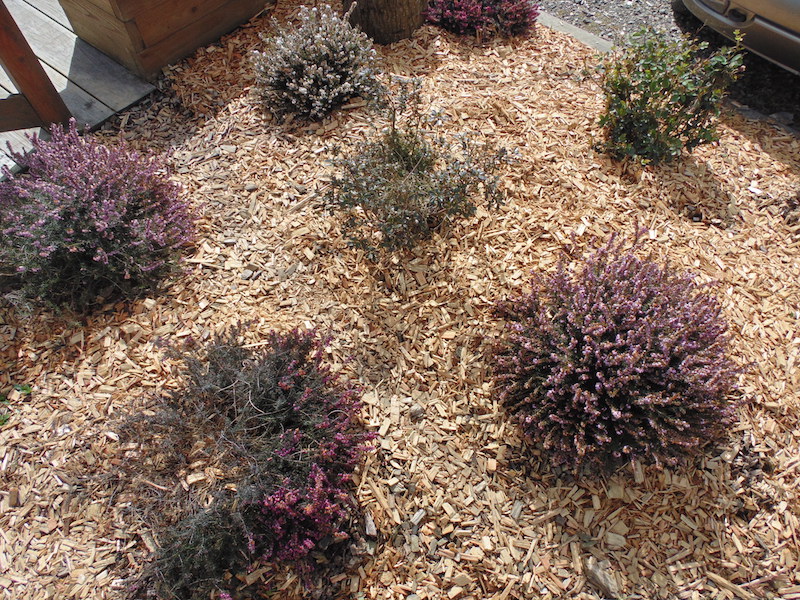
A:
[387,21]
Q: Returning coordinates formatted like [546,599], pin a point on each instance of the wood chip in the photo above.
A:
[473,510]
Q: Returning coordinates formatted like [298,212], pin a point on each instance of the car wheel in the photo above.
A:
[679,8]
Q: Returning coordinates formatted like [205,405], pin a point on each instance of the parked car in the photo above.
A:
[771,28]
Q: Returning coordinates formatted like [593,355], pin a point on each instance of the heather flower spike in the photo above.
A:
[617,359]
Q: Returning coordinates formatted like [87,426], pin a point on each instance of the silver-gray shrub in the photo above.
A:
[313,68]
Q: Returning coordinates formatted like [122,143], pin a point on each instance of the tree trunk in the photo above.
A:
[387,21]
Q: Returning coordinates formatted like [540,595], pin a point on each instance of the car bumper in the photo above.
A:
[773,42]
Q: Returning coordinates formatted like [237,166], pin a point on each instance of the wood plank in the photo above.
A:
[52,9]
[104,31]
[85,108]
[17,113]
[170,16]
[6,162]
[24,69]
[205,30]
[112,7]
[84,65]
[19,142]
[6,83]
[127,9]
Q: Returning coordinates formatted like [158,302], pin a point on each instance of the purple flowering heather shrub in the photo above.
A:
[88,217]
[319,446]
[290,441]
[623,359]
[484,18]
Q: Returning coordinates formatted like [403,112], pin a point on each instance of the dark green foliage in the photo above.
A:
[283,429]
[409,181]
[198,551]
[661,97]
[620,359]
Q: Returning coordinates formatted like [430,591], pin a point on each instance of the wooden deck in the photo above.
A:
[92,85]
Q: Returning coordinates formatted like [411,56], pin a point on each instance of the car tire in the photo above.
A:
[679,8]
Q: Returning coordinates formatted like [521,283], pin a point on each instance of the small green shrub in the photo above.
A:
[622,359]
[311,69]
[5,415]
[284,430]
[409,181]
[661,97]
[89,220]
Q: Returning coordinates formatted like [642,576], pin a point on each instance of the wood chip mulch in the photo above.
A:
[464,510]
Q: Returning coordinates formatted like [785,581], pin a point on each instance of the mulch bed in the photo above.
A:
[463,508]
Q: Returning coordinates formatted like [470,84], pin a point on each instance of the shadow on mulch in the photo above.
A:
[772,140]
[694,191]
[764,86]
[724,481]
[28,328]
[702,197]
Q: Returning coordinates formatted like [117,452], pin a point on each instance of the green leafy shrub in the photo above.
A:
[284,431]
[400,187]
[661,97]
[89,220]
[620,359]
[311,69]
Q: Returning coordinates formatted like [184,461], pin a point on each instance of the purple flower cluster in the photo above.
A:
[87,217]
[296,519]
[484,18]
[622,360]
[315,454]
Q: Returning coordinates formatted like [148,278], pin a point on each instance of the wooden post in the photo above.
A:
[387,21]
[37,92]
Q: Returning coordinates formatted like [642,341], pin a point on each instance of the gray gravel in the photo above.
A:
[614,19]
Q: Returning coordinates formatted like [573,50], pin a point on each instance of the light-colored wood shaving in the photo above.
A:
[463,509]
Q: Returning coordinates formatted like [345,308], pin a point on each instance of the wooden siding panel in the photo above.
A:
[199,33]
[171,17]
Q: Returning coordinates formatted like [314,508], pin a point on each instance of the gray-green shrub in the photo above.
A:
[400,187]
